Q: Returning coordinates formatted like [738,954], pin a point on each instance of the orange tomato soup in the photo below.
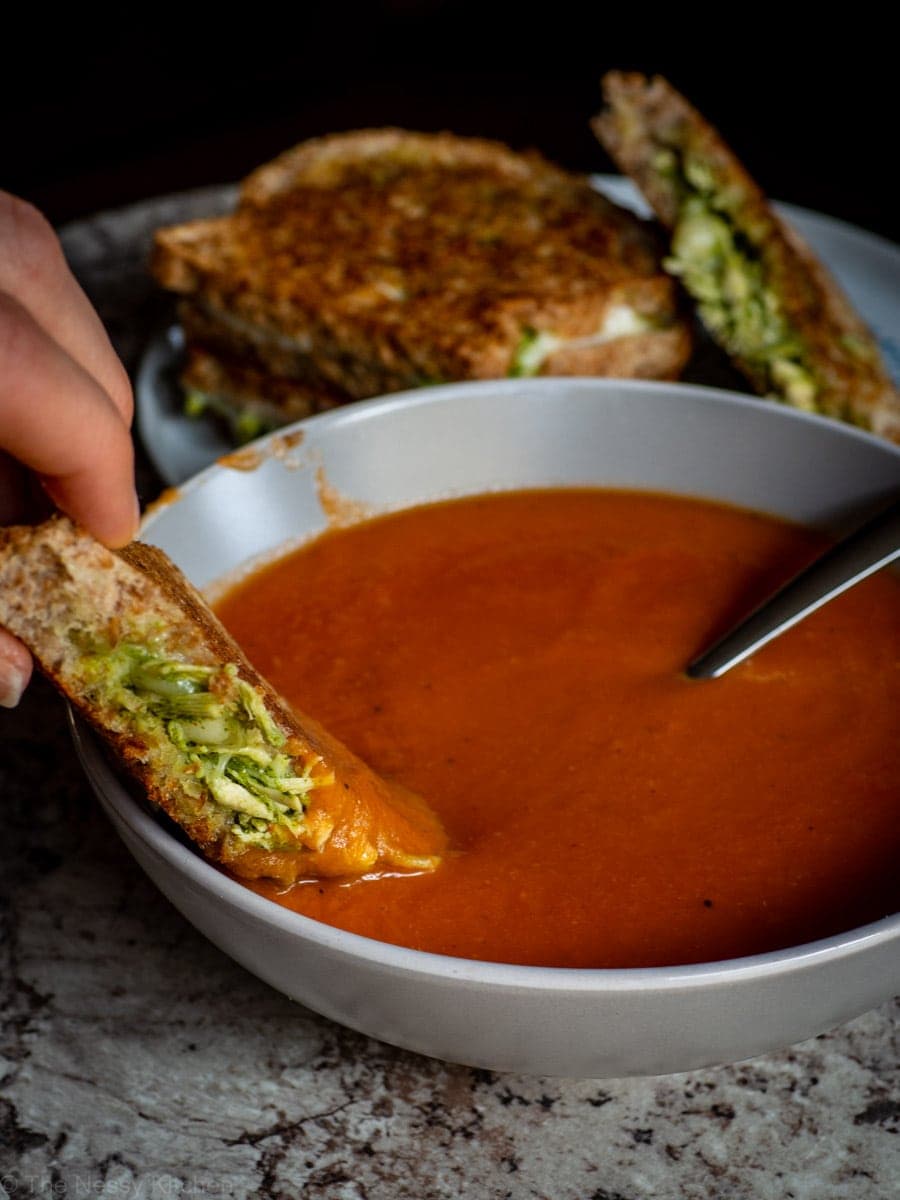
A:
[517,659]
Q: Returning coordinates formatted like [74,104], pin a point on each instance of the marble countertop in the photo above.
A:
[136,1060]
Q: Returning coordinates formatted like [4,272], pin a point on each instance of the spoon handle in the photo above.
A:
[867,550]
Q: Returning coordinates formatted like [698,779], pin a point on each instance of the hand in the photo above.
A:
[65,403]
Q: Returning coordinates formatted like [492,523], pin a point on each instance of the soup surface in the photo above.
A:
[517,659]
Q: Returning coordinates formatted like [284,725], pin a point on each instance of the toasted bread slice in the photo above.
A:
[141,657]
[760,291]
[368,262]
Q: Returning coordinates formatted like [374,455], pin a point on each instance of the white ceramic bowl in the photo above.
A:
[467,438]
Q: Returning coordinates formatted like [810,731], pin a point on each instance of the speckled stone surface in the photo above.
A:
[137,1061]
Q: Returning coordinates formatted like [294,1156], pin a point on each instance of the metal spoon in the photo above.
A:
[865,551]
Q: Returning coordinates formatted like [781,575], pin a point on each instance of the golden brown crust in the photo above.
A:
[60,590]
[645,118]
[328,162]
[379,260]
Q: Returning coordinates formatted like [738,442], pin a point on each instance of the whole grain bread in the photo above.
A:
[65,595]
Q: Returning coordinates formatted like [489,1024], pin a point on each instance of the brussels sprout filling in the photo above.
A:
[244,423]
[722,271]
[533,348]
[221,738]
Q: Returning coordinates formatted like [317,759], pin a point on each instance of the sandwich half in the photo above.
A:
[258,788]
[377,260]
[759,290]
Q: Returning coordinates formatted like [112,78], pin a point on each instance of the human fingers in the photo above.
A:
[15,670]
[58,421]
[33,270]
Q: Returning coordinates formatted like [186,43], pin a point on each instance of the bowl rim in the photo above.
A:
[202,875]
[360,411]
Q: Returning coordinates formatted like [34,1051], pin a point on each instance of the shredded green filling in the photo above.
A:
[534,347]
[216,733]
[244,423]
[722,272]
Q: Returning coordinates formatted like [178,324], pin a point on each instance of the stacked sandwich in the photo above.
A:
[374,261]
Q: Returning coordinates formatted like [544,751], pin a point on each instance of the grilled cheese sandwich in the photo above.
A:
[380,260]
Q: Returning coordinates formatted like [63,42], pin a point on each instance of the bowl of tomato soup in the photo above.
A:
[490,592]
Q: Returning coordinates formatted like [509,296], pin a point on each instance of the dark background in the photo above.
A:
[99,114]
